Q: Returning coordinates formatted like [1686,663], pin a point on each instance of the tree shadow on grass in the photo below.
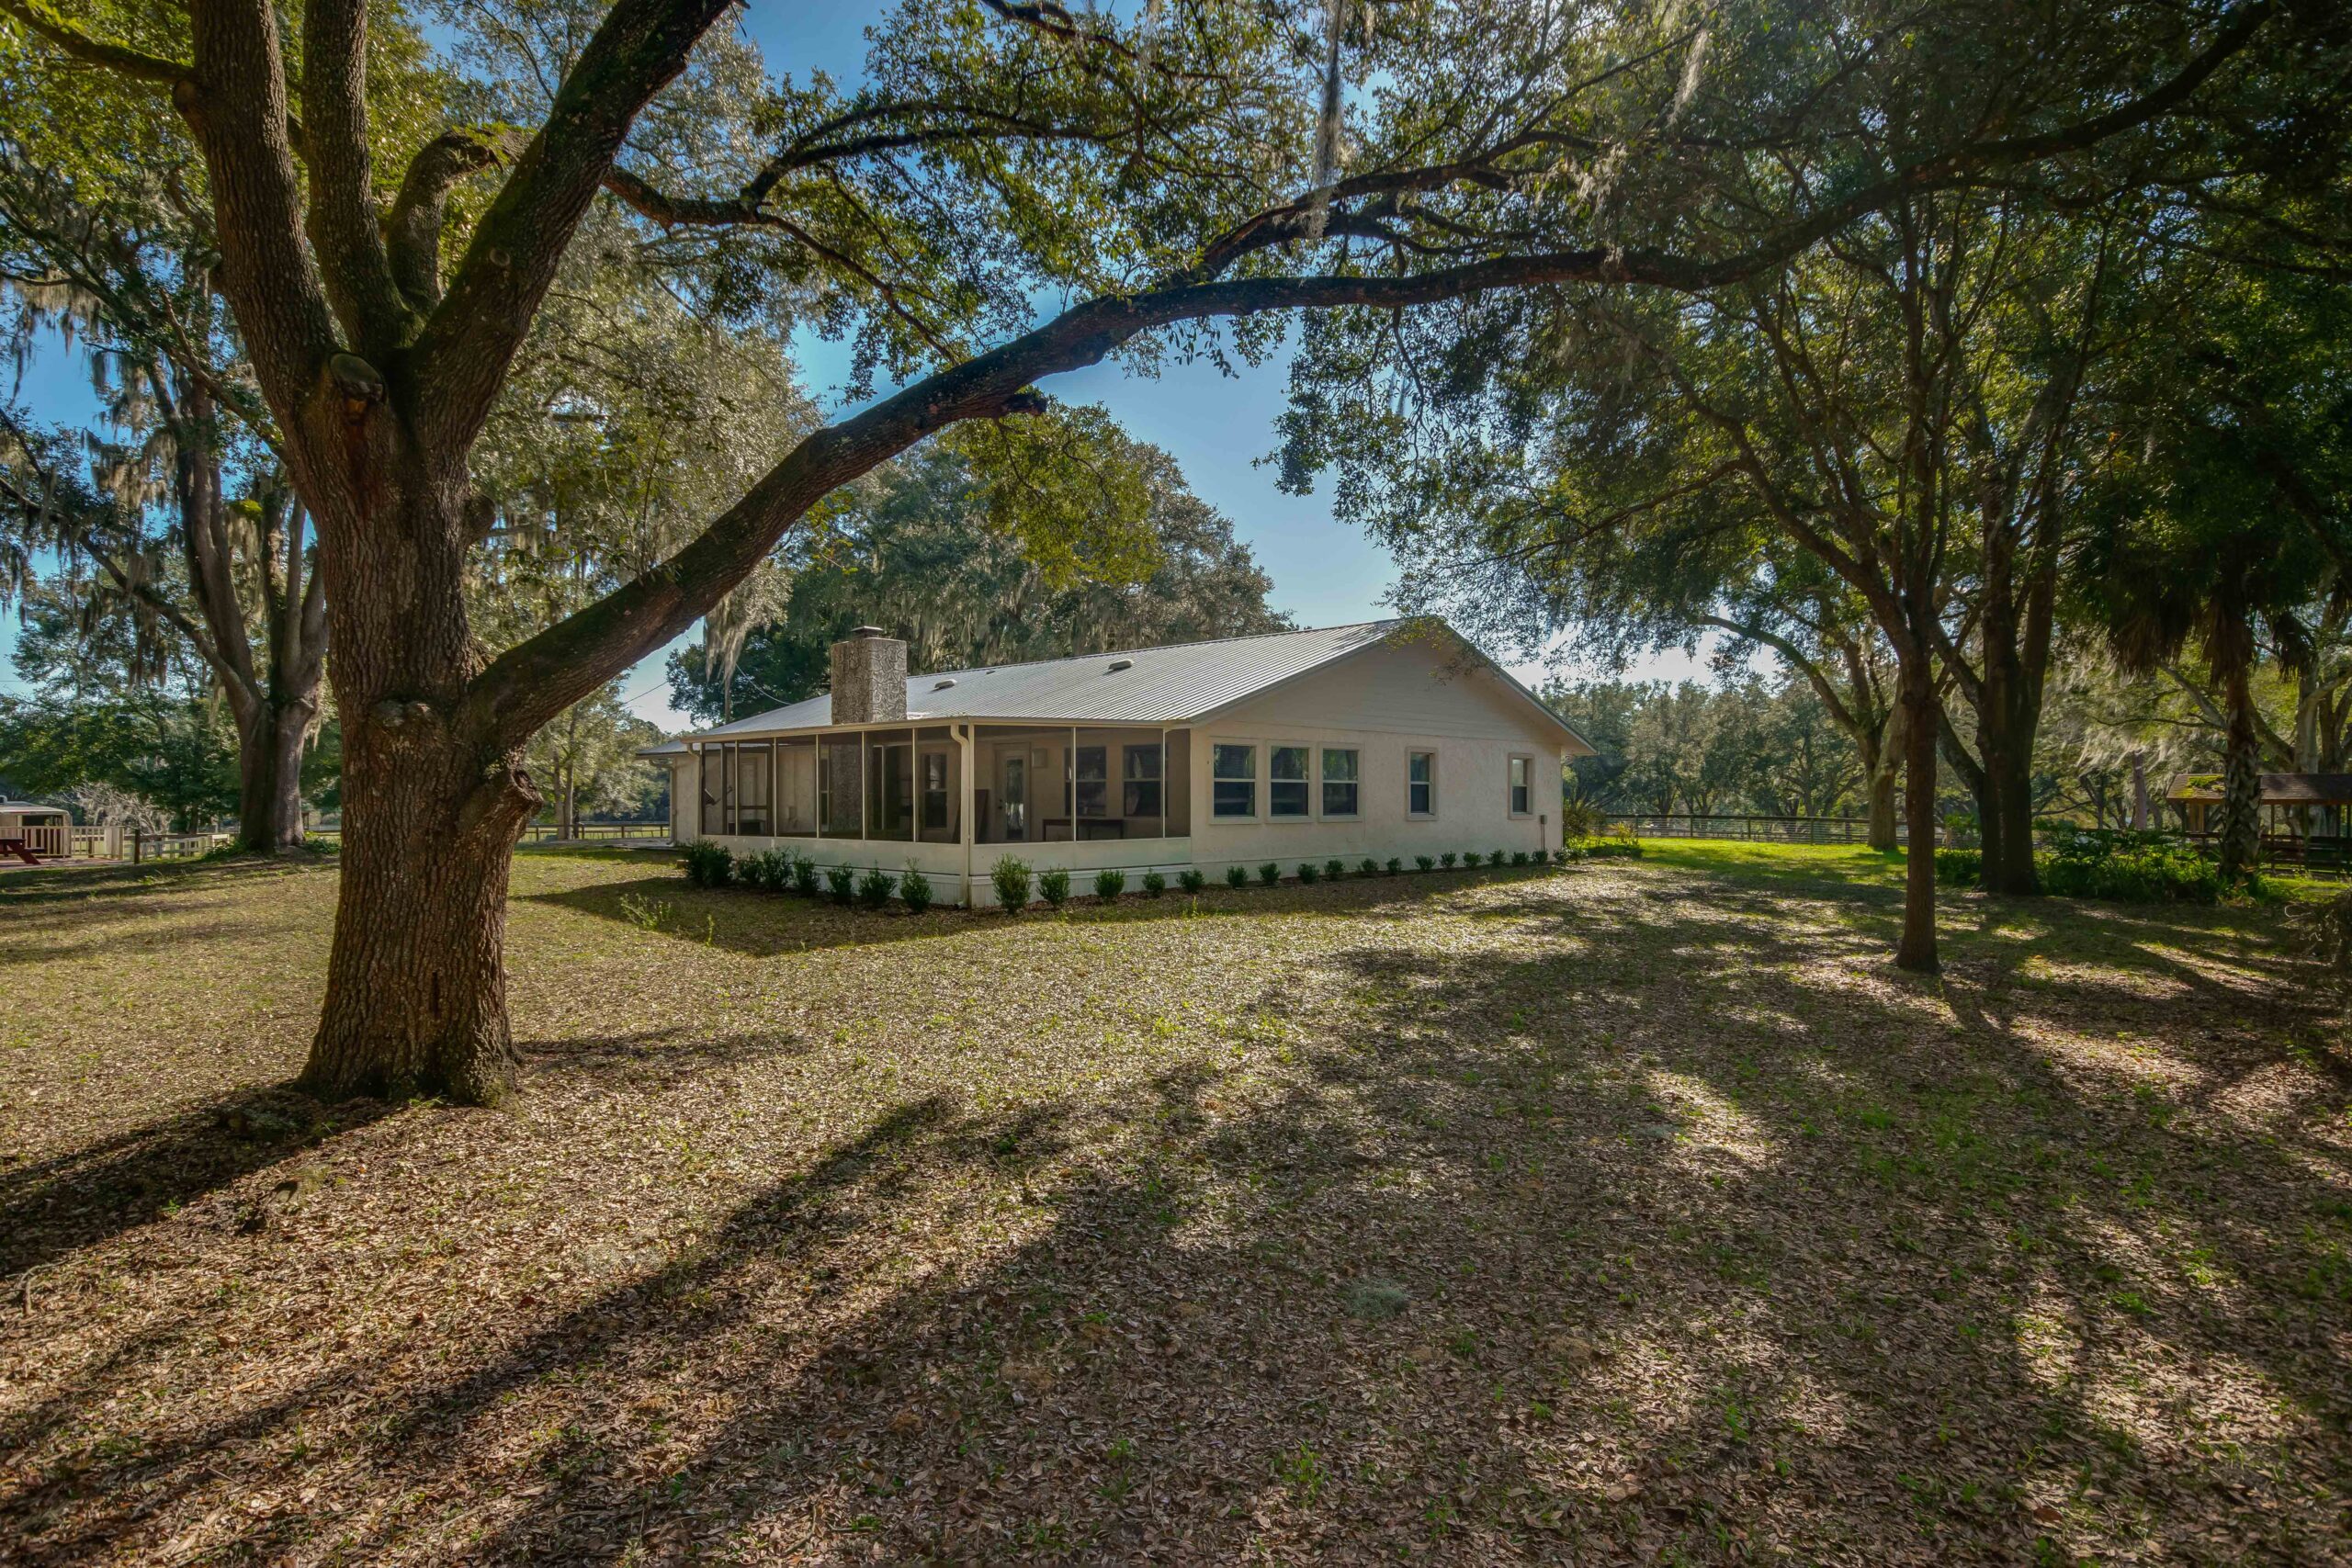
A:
[1558,1249]
[80,1197]
[113,881]
[764,925]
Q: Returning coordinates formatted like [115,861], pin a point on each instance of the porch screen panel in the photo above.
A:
[714,790]
[753,794]
[1142,767]
[1093,779]
[840,789]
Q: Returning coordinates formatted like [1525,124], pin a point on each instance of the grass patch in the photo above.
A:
[1638,1211]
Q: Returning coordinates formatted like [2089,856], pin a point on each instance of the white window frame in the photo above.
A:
[1306,779]
[1509,809]
[1430,815]
[1321,815]
[1255,750]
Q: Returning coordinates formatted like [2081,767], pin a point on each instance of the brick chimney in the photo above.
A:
[869,678]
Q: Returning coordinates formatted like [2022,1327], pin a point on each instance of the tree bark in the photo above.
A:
[416,990]
[2242,778]
[1915,691]
[269,769]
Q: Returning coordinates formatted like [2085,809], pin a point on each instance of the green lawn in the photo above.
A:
[1637,1212]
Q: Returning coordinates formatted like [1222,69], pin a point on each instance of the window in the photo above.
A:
[1286,781]
[1092,772]
[1420,783]
[1233,781]
[1519,790]
[714,790]
[840,789]
[1340,781]
[935,792]
[1143,782]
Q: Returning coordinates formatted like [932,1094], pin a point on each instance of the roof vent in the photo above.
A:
[1119,664]
[943,686]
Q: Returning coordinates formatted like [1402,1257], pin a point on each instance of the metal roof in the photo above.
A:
[1178,685]
[2277,789]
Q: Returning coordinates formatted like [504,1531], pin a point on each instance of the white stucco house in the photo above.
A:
[1391,738]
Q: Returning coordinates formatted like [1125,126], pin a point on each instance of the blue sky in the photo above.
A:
[1217,425]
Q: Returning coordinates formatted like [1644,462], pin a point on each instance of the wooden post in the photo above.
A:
[138,842]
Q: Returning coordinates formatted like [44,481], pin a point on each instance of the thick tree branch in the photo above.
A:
[235,103]
[80,45]
[461,357]
[342,228]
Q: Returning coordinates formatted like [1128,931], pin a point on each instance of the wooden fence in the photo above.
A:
[599,833]
[1757,830]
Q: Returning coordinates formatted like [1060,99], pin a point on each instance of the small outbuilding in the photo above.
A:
[2303,815]
[30,832]
[1388,739]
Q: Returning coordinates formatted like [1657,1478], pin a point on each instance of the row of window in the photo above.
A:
[1294,773]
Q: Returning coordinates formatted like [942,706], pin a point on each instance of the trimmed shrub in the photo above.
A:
[1958,868]
[1308,872]
[1493,857]
[1109,885]
[1010,877]
[1423,863]
[914,890]
[1190,879]
[1334,870]
[2128,867]
[1607,848]
[1518,857]
[1473,859]
[1053,886]
[1447,860]
[1237,877]
[874,890]
[841,882]
[1368,867]
[1559,857]
[709,864]
[1154,884]
[804,876]
[1270,873]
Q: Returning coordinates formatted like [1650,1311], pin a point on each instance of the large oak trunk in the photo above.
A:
[269,769]
[2241,778]
[416,988]
[1917,693]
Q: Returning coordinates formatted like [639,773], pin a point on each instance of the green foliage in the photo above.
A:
[840,883]
[1396,864]
[2128,867]
[1307,872]
[1053,886]
[768,871]
[1237,877]
[709,864]
[178,752]
[874,888]
[1367,867]
[1190,879]
[1109,885]
[1012,878]
[1270,873]
[1613,847]
[1424,862]
[1334,870]
[1447,860]
[1154,883]
[911,550]
[1581,818]
[1518,857]
[914,890]
[1495,857]
[1958,868]
[804,875]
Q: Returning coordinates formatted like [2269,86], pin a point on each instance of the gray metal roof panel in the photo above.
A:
[1158,685]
